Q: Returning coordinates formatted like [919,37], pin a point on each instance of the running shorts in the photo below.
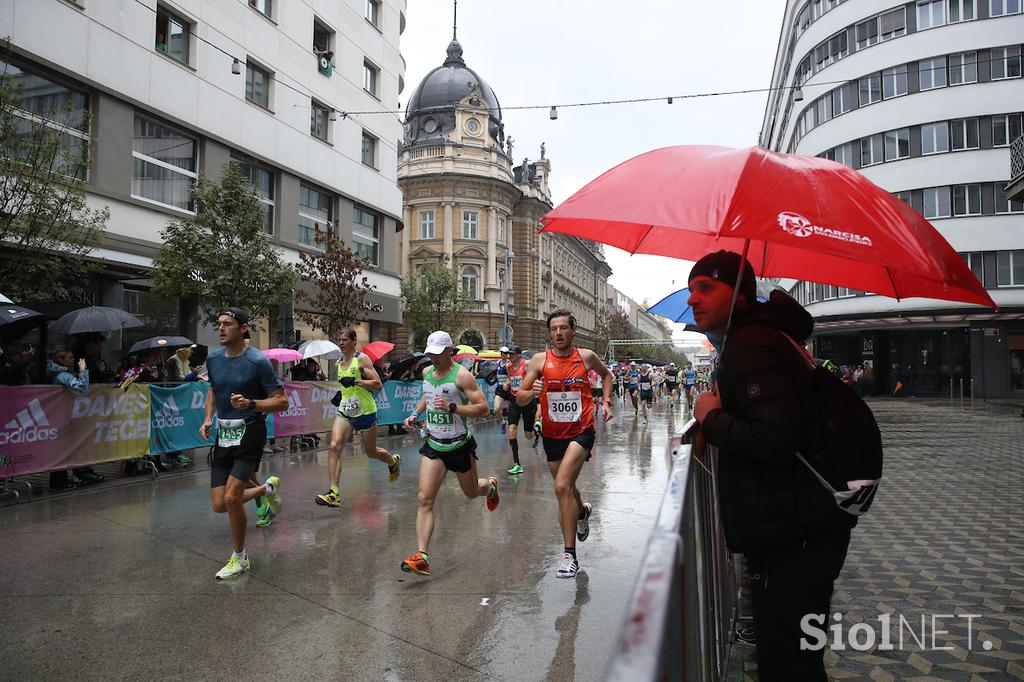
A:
[240,461]
[528,413]
[459,460]
[647,396]
[554,448]
[361,423]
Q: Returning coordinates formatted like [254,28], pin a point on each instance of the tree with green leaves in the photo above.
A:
[47,229]
[221,256]
[340,287]
[433,301]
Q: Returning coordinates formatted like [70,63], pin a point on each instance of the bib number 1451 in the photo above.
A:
[565,407]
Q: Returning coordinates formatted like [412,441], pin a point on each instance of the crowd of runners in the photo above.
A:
[556,398]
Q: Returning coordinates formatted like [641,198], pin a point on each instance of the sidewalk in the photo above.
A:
[945,537]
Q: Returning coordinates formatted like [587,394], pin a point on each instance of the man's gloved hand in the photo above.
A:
[348,382]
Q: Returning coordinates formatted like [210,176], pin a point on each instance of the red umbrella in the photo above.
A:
[801,217]
[376,350]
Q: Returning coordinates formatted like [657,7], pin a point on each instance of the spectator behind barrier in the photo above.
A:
[177,366]
[15,366]
[62,369]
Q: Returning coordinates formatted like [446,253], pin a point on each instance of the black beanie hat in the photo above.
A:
[725,267]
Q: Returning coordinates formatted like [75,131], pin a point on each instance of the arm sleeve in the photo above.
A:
[267,378]
[763,423]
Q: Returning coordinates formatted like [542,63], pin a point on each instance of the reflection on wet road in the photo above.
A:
[118,583]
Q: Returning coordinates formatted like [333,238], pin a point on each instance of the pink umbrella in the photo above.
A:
[283,354]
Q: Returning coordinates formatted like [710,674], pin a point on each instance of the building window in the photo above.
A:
[897,144]
[470,275]
[934,138]
[264,7]
[936,202]
[1006,128]
[871,150]
[1006,62]
[999,8]
[975,260]
[870,89]
[366,233]
[932,73]
[373,12]
[323,47]
[963,134]
[164,165]
[961,10]
[172,34]
[262,180]
[427,224]
[319,120]
[823,110]
[1003,203]
[894,81]
[963,68]
[369,152]
[57,107]
[316,214]
[370,78]
[257,85]
[966,200]
[1010,268]
[906,197]
[885,26]
[470,225]
[501,231]
[844,154]
[831,50]
[931,13]
[842,100]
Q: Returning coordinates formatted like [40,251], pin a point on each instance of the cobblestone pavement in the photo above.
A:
[944,538]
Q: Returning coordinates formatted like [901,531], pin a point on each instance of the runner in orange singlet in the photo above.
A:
[559,378]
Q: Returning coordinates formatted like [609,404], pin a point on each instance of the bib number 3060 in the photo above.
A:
[565,407]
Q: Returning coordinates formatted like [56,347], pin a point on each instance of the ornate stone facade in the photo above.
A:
[466,205]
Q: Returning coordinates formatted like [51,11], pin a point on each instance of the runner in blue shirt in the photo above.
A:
[634,385]
[689,384]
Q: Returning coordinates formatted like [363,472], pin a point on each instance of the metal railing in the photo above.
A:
[1017,160]
[680,616]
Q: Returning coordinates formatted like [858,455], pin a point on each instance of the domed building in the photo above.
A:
[466,205]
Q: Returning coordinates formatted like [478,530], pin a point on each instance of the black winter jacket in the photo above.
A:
[767,497]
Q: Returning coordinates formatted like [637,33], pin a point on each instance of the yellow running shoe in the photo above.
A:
[329,499]
[235,566]
[394,469]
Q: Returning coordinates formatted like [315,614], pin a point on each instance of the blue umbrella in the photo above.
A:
[675,307]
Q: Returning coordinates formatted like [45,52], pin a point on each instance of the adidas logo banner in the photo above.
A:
[176,413]
[310,409]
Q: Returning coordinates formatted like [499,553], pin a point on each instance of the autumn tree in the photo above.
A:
[433,301]
[339,285]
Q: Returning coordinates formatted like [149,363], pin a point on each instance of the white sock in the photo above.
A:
[270,487]
[239,555]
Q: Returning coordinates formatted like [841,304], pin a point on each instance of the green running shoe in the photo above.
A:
[516,469]
[266,518]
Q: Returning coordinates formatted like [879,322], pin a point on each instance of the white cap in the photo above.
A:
[437,342]
[503,349]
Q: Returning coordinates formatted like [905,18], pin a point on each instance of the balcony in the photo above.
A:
[477,307]
[1015,189]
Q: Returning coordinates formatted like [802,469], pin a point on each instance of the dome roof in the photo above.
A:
[430,113]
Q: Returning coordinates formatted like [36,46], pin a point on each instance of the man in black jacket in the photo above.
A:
[772,509]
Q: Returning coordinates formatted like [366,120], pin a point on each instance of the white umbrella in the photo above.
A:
[320,348]
[4,299]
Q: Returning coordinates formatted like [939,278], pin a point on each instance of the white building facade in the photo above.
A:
[174,88]
[924,98]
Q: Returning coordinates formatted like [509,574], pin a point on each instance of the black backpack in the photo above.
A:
[842,443]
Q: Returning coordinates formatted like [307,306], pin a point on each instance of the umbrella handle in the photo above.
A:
[735,295]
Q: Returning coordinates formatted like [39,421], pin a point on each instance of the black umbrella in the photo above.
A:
[160,342]
[403,368]
[15,320]
[95,318]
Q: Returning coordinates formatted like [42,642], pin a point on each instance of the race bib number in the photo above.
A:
[516,383]
[565,407]
[230,432]
[441,419]
[351,407]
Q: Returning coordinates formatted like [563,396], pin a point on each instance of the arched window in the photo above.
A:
[469,278]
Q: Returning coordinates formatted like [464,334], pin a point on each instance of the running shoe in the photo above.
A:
[329,499]
[645,421]
[536,433]
[583,525]
[394,469]
[504,425]
[418,563]
[184,460]
[235,566]
[492,494]
[261,506]
[265,518]
[569,567]
[516,469]
[274,498]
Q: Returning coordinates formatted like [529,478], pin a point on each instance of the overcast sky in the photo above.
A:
[560,51]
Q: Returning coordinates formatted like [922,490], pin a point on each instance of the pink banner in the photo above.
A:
[47,427]
[309,408]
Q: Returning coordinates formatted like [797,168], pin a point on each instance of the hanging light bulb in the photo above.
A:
[798,95]
[670,100]
[554,113]
[236,66]
[334,115]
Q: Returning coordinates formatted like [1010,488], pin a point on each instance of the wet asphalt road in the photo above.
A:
[117,583]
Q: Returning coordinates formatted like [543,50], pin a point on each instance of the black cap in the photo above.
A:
[515,349]
[239,315]
[725,267]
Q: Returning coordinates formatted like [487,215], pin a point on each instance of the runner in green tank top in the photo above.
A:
[451,397]
[356,413]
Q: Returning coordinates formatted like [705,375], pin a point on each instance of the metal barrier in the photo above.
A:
[679,621]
